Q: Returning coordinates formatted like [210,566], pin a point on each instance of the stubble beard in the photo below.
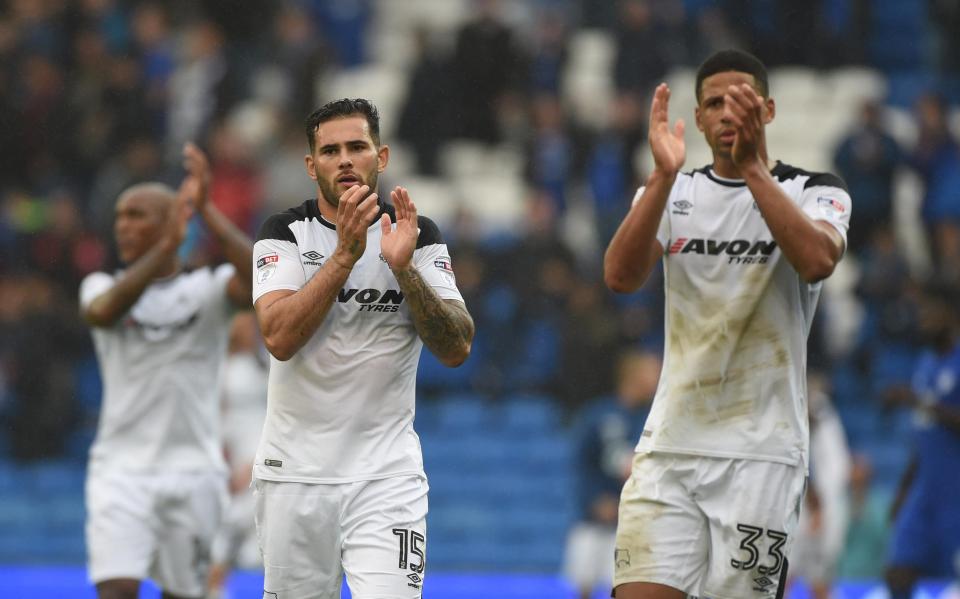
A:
[328,189]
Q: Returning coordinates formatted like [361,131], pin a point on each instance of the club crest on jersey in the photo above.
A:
[682,207]
[266,266]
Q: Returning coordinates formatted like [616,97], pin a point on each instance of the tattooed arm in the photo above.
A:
[444,325]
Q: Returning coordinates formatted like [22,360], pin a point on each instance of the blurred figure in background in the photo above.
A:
[926,532]
[608,431]
[867,159]
[936,157]
[244,393]
[824,517]
[869,527]
[155,483]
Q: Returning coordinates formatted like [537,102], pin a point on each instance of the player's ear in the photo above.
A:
[769,110]
[383,157]
[308,163]
[696,118]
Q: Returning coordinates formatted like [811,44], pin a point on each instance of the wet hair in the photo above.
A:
[341,108]
[733,60]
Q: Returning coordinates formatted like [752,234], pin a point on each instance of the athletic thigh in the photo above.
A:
[121,526]
[299,530]
[384,538]
[661,533]
[190,513]
[753,508]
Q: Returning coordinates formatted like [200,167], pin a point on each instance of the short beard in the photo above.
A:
[328,190]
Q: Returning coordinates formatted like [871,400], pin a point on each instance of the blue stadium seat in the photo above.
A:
[530,413]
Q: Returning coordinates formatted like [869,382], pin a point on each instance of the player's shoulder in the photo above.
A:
[429,232]
[277,226]
[786,172]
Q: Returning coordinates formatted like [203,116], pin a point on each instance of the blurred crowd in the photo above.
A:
[98,94]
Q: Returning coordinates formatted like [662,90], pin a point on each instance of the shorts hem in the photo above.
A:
[105,575]
[673,583]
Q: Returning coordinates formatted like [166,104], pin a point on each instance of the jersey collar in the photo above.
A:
[313,210]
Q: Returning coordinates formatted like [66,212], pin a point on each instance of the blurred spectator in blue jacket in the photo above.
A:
[640,62]
[608,430]
[867,159]
[926,534]
[936,156]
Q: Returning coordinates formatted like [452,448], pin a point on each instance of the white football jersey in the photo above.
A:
[160,366]
[342,408]
[737,319]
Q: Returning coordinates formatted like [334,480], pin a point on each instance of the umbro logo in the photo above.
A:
[762,584]
[415,580]
[312,255]
[682,207]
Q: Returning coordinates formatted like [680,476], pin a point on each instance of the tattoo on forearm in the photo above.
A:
[445,328]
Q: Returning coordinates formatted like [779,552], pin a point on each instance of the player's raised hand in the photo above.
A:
[668,148]
[744,108]
[397,244]
[355,212]
[198,169]
[180,212]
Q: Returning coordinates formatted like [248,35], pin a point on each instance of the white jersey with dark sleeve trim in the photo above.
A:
[736,321]
[342,408]
[160,366]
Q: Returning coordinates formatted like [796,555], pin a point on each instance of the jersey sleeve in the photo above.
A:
[221,279]
[825,198]
[432,261]
[92,286]
[663,229]
[276,259]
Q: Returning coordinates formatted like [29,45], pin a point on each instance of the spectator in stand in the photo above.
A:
[640,63]
[868,530]
[607,434]
[926,533]
[425,120]
[936,157]
[487,65]
[867,158]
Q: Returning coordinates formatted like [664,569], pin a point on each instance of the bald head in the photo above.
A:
[157,194]
[141,217]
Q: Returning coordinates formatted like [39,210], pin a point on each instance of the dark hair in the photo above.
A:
[341,108]
[734,60]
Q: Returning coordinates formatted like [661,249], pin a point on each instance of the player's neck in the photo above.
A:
[724,167]
[327,210]
[170,269]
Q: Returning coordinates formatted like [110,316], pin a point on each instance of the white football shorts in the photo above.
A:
[587,562]
[372,531]
[710,527]
[153,525]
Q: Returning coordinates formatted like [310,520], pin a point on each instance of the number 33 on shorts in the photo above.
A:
[751,543]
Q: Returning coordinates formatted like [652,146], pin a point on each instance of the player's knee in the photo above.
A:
[118,589]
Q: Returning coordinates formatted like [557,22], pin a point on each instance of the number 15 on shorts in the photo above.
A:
[411,542]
